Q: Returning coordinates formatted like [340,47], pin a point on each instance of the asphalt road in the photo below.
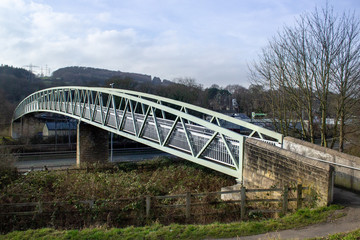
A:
[54,161]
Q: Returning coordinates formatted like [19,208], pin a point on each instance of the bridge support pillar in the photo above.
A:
[26,127]
[92,144]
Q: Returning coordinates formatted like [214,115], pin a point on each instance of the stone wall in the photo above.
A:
[26,127]
[344,177]
[92,144]
[268,166]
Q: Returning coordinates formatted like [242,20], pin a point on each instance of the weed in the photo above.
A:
[178,231]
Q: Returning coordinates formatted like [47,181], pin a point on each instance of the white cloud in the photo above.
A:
[211,41]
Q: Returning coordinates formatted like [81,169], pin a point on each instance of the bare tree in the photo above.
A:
[304,64]
[346,75]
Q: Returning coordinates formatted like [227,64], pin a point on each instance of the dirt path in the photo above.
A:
[348,223]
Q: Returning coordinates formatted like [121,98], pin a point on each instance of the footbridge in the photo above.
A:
[184,130]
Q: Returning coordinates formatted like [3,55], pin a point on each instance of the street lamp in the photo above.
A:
[111,135]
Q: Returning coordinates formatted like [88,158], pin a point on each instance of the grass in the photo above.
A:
[300,218]
[343,236]
[5,140]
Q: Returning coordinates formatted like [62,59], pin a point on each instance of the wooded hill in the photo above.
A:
[92,76]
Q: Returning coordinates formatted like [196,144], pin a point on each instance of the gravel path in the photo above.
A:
[350,222]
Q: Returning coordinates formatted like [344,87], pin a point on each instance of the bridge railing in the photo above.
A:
[181,129]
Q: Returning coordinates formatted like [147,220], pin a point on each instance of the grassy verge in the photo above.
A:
[343,236]
[300,218]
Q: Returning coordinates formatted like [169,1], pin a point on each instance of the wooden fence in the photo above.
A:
[152,207]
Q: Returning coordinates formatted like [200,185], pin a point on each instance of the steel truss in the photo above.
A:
[181,129]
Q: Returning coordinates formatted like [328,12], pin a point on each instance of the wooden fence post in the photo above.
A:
[299,197]
[243,202]
[148,205]
[188,204]
[40,209]
[285,199]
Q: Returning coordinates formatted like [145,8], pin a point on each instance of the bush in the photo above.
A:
[8,171]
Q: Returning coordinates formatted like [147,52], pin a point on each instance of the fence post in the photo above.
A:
[285,199]
[188,204]
[40,209]
[243,202]
[148,205]
[299,197]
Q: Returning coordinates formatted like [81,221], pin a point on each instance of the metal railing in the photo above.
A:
[181,129]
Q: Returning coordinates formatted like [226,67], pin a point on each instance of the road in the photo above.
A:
[67,159]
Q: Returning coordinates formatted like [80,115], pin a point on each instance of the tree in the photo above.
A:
[346,74]
[6,111]
[305,64]
[242,96]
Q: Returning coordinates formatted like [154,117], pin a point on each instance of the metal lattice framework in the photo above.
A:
[181,129]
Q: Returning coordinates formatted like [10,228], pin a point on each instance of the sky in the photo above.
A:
[211,41]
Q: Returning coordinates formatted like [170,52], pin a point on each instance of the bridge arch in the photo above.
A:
[181,129]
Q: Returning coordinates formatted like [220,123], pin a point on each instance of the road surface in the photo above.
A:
[63,160]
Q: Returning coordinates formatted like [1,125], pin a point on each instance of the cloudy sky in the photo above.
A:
[212,41]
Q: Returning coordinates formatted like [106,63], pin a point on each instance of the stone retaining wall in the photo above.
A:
[268,166]
[344,177]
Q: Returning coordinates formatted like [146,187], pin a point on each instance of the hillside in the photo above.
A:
[93,76]
[17,83]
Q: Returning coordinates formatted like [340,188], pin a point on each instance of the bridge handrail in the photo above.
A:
[187,131]
[266,132]
[159,102]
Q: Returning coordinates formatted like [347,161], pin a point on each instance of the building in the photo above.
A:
[59,128]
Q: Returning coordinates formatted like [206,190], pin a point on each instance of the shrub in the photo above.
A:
[8,171]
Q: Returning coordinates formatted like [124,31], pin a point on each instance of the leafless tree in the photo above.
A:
[304,64]
[346,75]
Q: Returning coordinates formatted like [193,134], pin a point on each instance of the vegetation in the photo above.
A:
[85,76]
[301,218]
[156,177]
[110,188]
[312,72]
[355,235]
[8,172]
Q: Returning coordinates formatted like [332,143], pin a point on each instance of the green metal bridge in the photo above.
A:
[184,130]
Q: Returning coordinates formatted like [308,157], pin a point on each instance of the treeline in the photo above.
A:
[85,76]
[15,84]
[229,99]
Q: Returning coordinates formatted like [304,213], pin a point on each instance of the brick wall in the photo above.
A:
[267,166]
[92,144]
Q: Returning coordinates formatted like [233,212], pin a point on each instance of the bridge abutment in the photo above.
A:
[267,166]
[26,127]
[344,177]
[92,144]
